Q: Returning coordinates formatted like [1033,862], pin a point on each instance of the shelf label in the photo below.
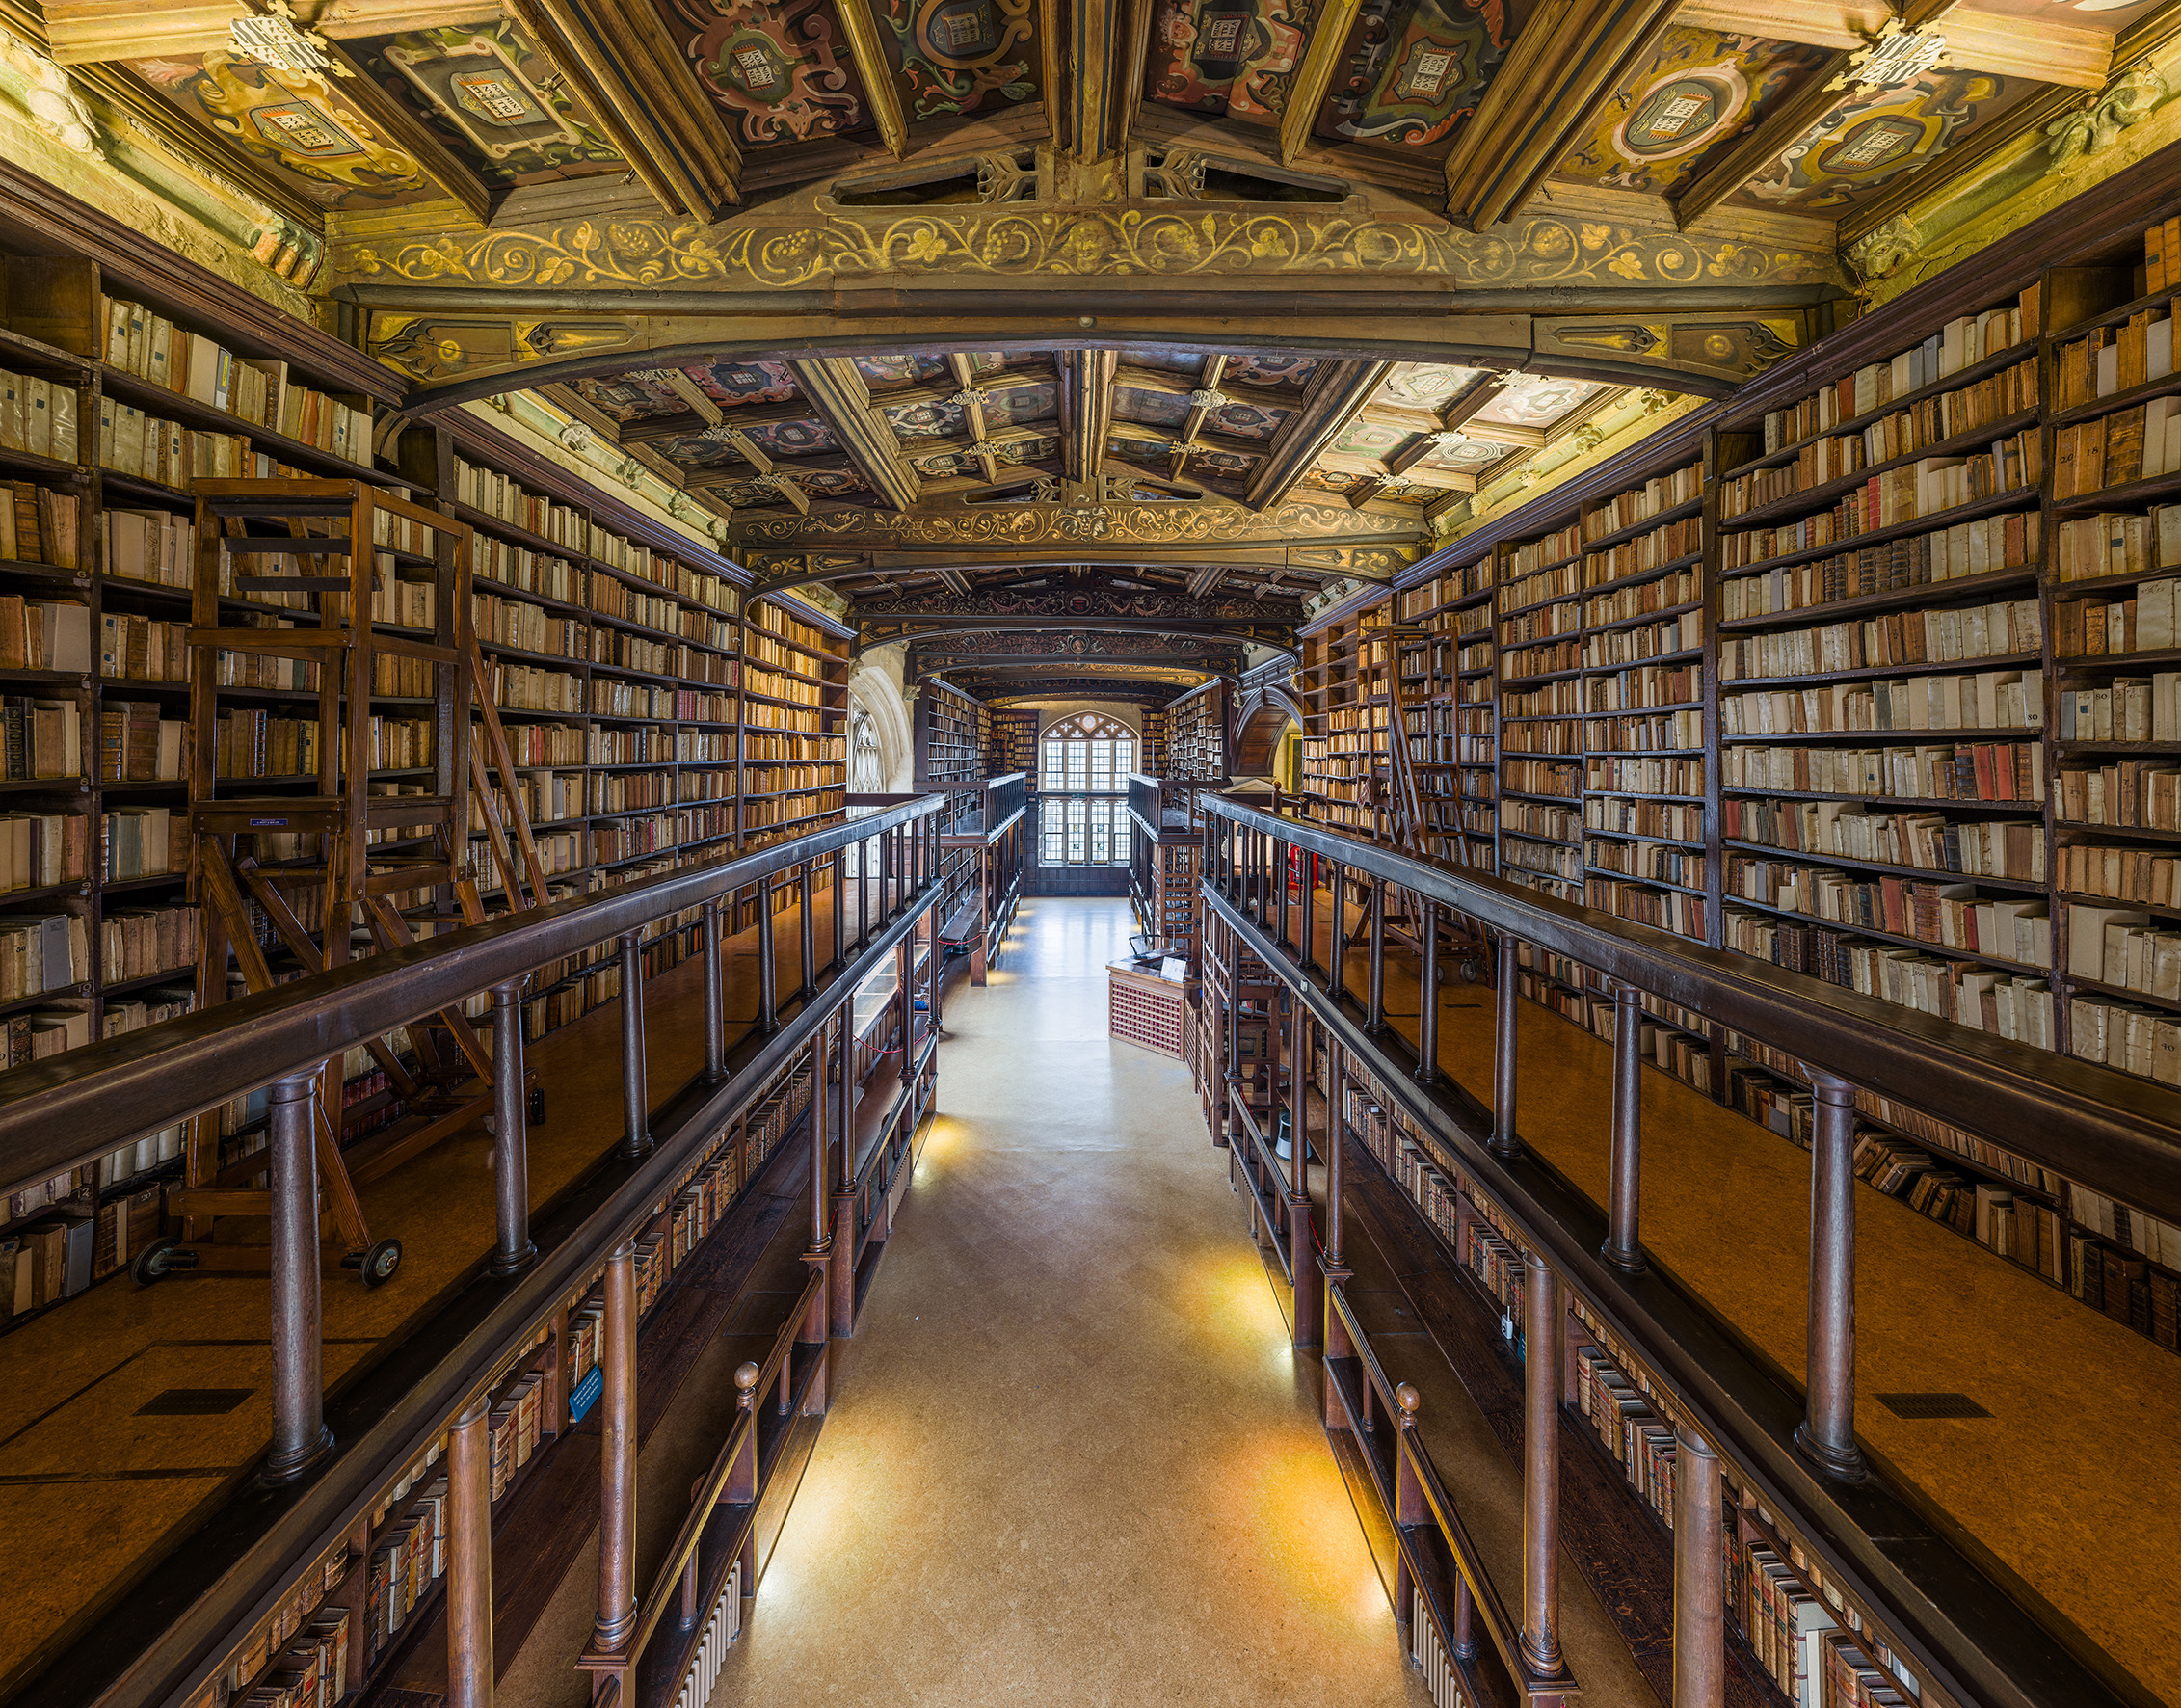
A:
[587,1392]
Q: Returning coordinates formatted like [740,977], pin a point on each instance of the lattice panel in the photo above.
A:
[1149,1018]
[1430,1655]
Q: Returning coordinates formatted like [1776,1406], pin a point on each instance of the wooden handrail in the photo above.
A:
[651,1607]
[2118,1135]
[72,1109]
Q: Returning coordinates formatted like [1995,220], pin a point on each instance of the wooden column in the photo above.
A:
[513,1251]
[840,1277]
[1335,1147]
[1337,972]
[617,1457]
[1503,1142]
[635,1073]
[1428,994]
[807,934]
[1623,1248]
[1540,1468]
[300,1436]
[768,957]
[1375,992]
[839,906]
[1700,1631]
[1826,1433]
[715,1011]
[469,1562]
[1302,1244]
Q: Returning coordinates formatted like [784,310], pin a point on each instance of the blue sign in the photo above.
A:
[586,1395]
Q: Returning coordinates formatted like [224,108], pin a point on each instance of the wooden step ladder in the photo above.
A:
[344,853]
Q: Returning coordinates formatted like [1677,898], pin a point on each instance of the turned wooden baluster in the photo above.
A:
[1503,1142]
[617,1458]
[1826,1433]
[513,1250]
[1540,1469]
[469,1562]
[1700,1648]
[635,1073]
[300,1440]
[1623,1248]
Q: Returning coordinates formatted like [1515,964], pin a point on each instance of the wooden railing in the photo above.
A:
[688,1617]
[1951,1618]
[1439,1561]
[69,1109]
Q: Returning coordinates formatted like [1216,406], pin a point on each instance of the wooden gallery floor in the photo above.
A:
[1072,1459]
[91,1489]
[2085,1413]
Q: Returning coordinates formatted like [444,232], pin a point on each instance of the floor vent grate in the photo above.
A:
[192,1403]
[1932,1405]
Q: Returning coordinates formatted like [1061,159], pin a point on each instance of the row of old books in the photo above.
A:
[44,635]
[37,416]
[2126,708]
[1980,700]
[2118,543]
[38,525]
[1931,842]
[261,391]
[1961,343]
[1940,636]
[2144,622]
[2116,450]
[2112,359]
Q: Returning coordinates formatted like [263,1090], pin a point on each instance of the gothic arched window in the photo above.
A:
[1083,765]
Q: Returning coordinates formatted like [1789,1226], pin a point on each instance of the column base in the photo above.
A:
[632,1148]
[287,1467]
[1628,1263]
[512,1262]
[1847,1463]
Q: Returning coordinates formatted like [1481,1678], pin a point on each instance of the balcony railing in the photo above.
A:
[69,1109]
[1952,1617]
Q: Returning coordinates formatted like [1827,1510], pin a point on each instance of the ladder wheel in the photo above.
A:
[381,1262]
[1472,971]
[537,1105]
[151,1263]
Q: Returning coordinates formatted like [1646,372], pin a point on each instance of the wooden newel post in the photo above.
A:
[300,1436]
[635,1072]
[1700,1631]
[1540,1469]
[715,1009]
[1503,1142]
[617,1458]
[808,929]
[1337,969]
[1375,975]
[469,1567]
[1623,1248]
[1410,1507]
[514,1251]
[840,1269]
[1826,1433]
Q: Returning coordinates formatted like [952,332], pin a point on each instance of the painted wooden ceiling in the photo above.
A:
[1710,117]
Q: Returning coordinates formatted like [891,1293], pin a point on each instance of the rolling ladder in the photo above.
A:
[301,877]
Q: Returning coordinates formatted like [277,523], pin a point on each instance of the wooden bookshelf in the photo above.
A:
[954,735]
[98,550]
[1196,734]
[1868,679]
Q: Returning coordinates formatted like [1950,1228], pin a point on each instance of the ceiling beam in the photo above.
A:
[1328,36]
[1373,469]
[407,130]
[1106,44]
[880,84]
[641,88]
[1087,403]
[829,463]
[2078,55]
[1200,407]
[724,432]
[843,403]
[972,402]
[746,414]
[1336,392]
[1567,63]
[1457,411]
[1171,385]
[1254,449]
[1784,125]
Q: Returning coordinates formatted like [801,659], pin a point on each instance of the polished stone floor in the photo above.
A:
[1072,1459]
